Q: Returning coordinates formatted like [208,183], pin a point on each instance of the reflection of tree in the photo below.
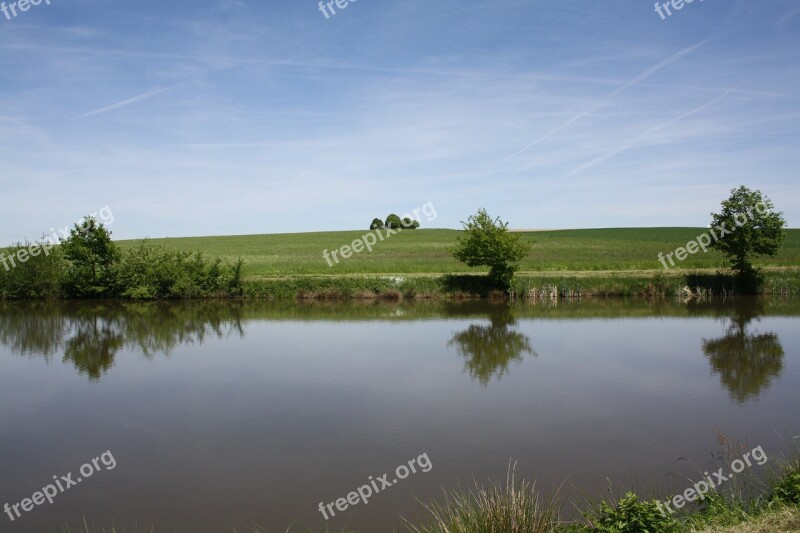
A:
[91,335]
[489,350]
[32,329]
[745,362]
[93,347]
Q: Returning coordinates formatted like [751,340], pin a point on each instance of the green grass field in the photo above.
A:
[427,252]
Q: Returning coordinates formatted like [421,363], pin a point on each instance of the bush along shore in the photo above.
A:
[516,506]
[145,272]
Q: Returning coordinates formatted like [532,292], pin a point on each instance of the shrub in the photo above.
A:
[37,278]
[151,271]
[376,224]
[629,515]
[787,488]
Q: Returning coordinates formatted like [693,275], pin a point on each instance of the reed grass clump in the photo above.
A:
[513,507]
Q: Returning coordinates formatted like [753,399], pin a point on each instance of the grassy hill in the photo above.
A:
[426,251]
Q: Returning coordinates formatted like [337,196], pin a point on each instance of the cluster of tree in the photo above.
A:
[394,222]
[88,264]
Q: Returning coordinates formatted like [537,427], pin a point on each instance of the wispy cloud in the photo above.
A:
[788,16]
[124,103]
[646,135]
[635,81]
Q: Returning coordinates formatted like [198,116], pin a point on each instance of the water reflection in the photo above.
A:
[489,350]
[91,334]
[93,346]
[745,361]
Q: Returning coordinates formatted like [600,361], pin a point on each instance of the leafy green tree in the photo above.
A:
[376,224]
[410,223]
[487,242]
[746,227]
[393,222]
[92,256]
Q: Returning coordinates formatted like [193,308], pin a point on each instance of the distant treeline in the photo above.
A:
[88,264]
[394,222]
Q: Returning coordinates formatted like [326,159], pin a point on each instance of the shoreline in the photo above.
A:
[527,286]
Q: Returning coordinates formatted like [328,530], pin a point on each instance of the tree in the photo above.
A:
[746,227]
[487,242]
[409,223]
[92,256]
[376,224]
[393,222]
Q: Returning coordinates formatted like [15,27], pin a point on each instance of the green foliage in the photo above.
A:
[376,224]
[393,222]
[487,242]
[409,223]
[755,229]
[629,515]
[154,271]
[787,488]
[88,264]
[37,277]
[91,257]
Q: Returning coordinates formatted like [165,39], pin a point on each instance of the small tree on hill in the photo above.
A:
[376,224]
[487,242]
[410,223]
[393,222]
[747,227]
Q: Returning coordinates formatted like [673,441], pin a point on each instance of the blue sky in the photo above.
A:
[239,117]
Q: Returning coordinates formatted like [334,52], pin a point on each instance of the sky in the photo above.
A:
[189,118]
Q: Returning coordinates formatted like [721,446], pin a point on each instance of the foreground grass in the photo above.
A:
[786,519]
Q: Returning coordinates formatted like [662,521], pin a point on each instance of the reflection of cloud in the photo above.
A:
[746,363]
[489,350]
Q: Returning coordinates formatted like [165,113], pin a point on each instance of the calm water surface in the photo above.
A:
[221,415]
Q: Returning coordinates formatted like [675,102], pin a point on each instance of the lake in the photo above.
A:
[224,414]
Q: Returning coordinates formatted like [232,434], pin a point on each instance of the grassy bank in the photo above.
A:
[409,265]
[528,286]
[418,264]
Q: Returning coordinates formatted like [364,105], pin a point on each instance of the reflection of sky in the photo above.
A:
[264,427]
